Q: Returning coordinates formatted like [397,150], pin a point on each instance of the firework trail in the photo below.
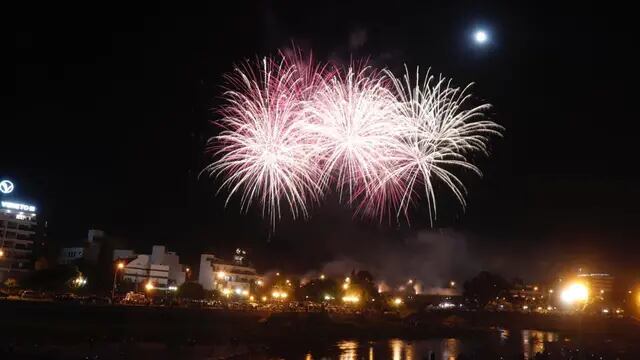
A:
[265,154]
[295,129]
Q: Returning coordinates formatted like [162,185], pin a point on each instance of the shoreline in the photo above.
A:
[74,323]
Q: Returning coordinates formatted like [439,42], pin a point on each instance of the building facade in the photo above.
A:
[89,251]
[70,255]
[600,284]
[161,268]
[218,274]
[18,232]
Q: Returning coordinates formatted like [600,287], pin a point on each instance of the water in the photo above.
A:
[501,344]
[504,344]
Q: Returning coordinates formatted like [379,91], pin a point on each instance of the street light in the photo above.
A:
[80,281]
[149,286]
[120,266]
[1,253]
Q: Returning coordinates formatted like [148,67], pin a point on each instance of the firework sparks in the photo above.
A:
[294,129]
[436,135]
[265,154]
[351,118]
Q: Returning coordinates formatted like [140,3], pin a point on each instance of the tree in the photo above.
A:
[53,279]
[317,289]
[191,290]
[484,287]
[11,283]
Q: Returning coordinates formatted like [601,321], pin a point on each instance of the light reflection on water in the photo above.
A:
[531,342]
[349,350]
[450,349]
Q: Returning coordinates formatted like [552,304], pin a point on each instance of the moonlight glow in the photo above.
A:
[481,37]
[294,130]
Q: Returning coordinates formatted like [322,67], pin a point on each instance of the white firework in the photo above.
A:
[266,155]
[437,134]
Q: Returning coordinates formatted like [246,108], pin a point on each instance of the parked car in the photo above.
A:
[31,295]
[67,297]
[133,298]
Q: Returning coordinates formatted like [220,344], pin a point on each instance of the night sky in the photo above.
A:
[111,108]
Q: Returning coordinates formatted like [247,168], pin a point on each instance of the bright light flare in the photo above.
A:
[351,299]
[575,293]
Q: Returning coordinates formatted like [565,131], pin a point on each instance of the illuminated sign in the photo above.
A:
[16,206]
[6,186]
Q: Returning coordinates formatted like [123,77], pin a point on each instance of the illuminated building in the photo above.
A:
[162,268]
[599,283]
[18,229]
[219,274]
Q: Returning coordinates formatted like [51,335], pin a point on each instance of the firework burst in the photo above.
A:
[265,154]
[436,132]
[351,119]
[294,129]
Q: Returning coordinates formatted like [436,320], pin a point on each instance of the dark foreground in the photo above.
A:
[56,331]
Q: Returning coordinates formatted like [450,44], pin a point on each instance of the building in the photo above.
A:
[600,284]
[162,268]
[70,255]
[18,232]
[123,254]
[89,251]
[218,274]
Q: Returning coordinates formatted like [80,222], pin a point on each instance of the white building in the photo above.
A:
[18,227]
[162,268]
[218,274]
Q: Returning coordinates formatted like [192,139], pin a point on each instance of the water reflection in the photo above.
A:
[533,342]
[530,343]
[450,349]
[348,350]
[504,335]
[396,349]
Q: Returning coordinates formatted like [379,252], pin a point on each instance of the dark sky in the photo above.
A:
[111,106]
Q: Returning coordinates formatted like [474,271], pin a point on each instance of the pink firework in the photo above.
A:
[295,129]
[265,153]
[350,118]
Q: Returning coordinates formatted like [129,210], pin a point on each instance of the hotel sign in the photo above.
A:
[6,186]
[17,206]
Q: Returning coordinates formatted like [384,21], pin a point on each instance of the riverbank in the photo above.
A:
[67,323]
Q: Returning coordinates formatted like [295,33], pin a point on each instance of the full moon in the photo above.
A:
[480,36]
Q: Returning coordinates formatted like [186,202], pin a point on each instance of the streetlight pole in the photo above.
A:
[120,266]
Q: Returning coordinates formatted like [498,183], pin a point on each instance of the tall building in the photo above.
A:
[218,274]
[18,232]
